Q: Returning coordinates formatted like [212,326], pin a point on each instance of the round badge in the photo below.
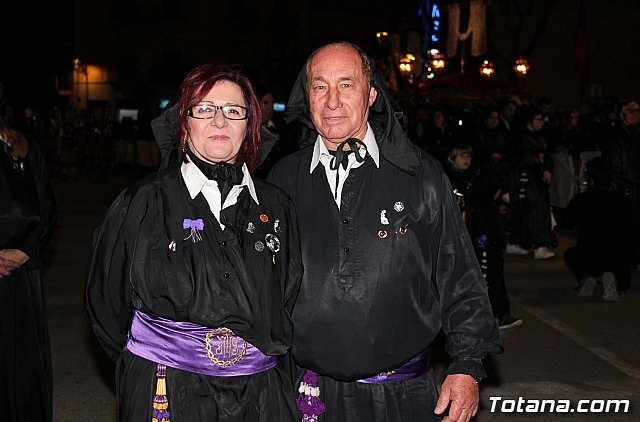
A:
[264,218]
[259,246]
[398,206]
[404,229]
[382,234]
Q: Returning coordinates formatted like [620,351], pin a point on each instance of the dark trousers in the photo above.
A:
[582,266]
[492,265]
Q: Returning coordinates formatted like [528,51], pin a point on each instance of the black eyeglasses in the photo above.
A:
[209,110]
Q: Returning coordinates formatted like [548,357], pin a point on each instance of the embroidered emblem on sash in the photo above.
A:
[224,348]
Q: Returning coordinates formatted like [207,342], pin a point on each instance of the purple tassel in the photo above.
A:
[160,411]
[308,401]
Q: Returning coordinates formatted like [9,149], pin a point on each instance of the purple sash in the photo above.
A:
[190,347]
[414,368]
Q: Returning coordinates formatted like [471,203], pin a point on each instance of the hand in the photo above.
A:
[10,260]
[461,394]
[547,176]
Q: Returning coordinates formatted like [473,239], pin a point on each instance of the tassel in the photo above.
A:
[308,401]
[160,402]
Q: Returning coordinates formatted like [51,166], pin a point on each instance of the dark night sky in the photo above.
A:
[36,42]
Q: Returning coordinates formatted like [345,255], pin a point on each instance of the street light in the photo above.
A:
[406,66]
[487,69]
[80,68]
[437,60]
[521,67]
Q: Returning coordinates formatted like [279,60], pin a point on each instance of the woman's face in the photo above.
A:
[536,123]
[218,138]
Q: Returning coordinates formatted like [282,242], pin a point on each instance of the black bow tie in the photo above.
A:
[342,157]
[224,173]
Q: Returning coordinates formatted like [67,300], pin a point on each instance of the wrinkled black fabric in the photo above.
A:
[28,214]
[406,401]
[376,293]
[165,131]
[142,258]
[264,397]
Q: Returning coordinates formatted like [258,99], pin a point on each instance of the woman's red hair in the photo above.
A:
[197,84]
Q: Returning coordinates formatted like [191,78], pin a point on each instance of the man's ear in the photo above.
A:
[373,94]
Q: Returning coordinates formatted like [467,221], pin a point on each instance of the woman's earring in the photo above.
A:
[184,146]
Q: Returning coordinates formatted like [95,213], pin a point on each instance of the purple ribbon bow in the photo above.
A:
[193,224]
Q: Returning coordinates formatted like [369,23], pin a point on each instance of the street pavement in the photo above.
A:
[568,349]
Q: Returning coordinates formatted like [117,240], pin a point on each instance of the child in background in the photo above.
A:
[479,196]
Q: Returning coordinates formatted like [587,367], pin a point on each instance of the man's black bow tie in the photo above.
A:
[341,156]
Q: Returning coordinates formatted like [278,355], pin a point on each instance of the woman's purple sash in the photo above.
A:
[415,367]
[190,347]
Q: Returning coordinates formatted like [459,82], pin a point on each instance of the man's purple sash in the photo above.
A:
[194,348]
[415,367]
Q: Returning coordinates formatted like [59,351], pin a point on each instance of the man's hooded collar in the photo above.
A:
[384,118]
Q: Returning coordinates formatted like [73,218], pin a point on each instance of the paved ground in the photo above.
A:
[569,347]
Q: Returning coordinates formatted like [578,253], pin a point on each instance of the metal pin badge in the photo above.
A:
[264,218]
[383,217]
[398,206]
[259,246]
[382,234]
[172,246]
[276,226]
[272,241]
[250,227]
[404,229]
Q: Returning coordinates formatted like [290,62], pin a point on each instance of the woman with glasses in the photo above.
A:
[195,269]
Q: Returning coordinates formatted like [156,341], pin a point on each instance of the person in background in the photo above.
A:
[491,143]
[274,142]
[601,218]
[478,194]
[461,177]
[194,271]
[530,224]
[28,214]
[623,156]
[388,263]
[441,135]
[508,109]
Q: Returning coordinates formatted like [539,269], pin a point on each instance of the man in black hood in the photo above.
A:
[387,260]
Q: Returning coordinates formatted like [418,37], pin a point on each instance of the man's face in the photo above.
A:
[631,114]
[339,95]
[266,104]
[493,120]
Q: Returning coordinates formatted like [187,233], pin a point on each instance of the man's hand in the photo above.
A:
[461,394]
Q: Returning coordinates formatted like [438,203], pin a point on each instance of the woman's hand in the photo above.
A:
[11,260]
